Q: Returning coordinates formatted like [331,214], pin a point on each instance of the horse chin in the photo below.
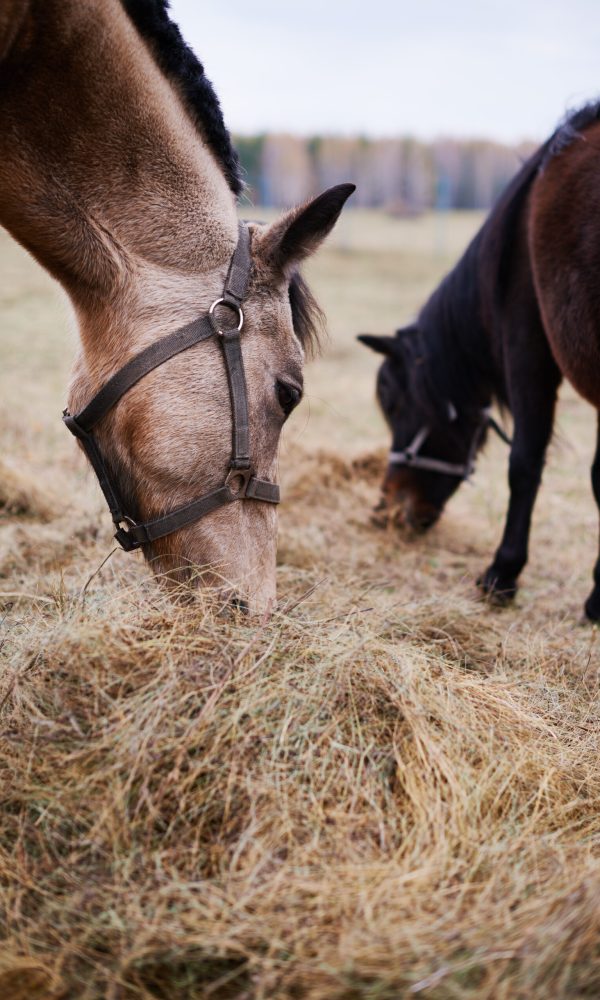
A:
[405,513]
[420,519]
[253,593]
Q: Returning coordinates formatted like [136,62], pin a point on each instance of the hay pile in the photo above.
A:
[21,494]
[386,790]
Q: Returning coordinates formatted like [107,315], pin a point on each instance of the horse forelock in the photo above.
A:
[307,316]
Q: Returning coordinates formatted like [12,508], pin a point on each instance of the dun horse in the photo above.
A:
[118,175]
[520,311]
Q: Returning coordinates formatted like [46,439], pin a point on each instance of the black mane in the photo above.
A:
[570,129]
[456,357]
[177,61]
[448,360]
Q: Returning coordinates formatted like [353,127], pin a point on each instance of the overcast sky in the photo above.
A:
[507,69]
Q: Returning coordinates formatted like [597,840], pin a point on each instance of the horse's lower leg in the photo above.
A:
[592,605]
[533,428]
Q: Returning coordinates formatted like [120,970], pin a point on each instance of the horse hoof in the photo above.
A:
[499,590]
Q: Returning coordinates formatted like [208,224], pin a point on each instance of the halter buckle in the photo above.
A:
[237,482]
[125,538]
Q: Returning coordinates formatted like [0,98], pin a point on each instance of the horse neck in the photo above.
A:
[456,342]
[103,176]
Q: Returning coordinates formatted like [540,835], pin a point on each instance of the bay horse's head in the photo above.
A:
[433,444]
[198,433]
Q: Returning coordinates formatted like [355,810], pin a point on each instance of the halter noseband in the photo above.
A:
[240,482]
[410,455]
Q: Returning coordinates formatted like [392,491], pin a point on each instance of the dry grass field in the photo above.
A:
[389,789]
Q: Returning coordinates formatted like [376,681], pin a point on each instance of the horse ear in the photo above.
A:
[382,345]
[300,232]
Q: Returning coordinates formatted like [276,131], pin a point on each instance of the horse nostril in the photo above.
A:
[421,519]
[239,604]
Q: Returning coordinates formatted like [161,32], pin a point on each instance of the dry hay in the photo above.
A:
[20,494]
[386,790]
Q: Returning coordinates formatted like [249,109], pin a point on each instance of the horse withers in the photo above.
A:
[520,311]
[117,173]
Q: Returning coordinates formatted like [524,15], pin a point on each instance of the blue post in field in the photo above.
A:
[443,202]
[264,188]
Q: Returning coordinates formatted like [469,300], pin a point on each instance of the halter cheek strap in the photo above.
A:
[240,483]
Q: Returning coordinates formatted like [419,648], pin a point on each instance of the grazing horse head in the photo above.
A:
[117,173]
[434,444]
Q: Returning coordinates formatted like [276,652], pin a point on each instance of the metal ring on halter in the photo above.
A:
[125,519]
[230,305]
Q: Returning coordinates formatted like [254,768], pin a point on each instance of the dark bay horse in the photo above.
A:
[117,173]
[520,311]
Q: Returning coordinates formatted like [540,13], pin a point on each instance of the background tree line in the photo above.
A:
[402,175]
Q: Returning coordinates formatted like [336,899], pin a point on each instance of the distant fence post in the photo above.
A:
[443,201]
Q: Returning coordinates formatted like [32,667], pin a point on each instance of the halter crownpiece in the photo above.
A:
[240,482]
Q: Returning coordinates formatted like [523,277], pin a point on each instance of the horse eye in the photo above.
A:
[288,396]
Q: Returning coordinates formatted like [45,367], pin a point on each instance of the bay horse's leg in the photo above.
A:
[534,379]
[592,605]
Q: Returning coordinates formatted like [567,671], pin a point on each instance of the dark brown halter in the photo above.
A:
[240,482]
[411,454]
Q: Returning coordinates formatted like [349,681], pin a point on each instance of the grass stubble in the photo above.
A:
[387,789]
